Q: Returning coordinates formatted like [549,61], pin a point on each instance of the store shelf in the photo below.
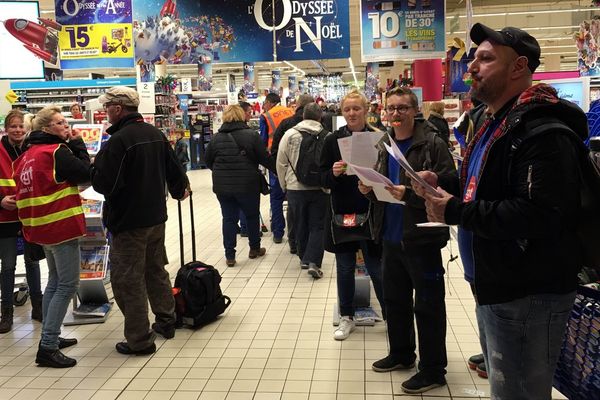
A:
[42,105]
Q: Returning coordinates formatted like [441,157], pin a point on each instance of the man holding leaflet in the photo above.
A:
[412,259]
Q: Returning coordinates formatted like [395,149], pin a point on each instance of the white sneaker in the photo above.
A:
[344,329]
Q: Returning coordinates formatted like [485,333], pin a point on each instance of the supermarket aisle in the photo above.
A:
[274,342]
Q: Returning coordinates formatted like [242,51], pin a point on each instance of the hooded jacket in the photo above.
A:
[527,201]
[235,166]
[289,152]
[131,171]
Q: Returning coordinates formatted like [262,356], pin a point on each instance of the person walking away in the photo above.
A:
[181,150]
[234,155]
[345,198]
[412,258]
[132,170]
[307,203]
[520,235]
[274,113]
[11,147]
[49,208]
[436,117]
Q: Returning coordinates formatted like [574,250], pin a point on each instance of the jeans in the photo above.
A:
[8,256]
[64,261]
[308,207]
[243,227]
[138,276]
[420,271]
[231,204]
[346,264]
[276,196]
[521,342]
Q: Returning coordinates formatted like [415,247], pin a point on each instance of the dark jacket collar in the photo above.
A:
[233,126]
[40,137]
[126,120]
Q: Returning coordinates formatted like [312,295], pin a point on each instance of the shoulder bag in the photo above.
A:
[265,189]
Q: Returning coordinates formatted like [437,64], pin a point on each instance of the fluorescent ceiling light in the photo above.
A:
[506,14]
[352,70]
[294,67]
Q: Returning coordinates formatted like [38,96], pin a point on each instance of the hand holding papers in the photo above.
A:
[378,182]
[398,156]
[359,149]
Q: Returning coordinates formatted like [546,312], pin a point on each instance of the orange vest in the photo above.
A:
[7,185]
[50,211]
[274,117]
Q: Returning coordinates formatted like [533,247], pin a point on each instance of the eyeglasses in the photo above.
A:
[62,122]
[400,109]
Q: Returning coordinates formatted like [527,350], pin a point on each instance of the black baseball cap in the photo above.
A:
[517,39]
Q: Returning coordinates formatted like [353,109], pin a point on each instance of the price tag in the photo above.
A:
[95,40]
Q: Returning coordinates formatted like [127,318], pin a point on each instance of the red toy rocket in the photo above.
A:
[169,9]
[36,38]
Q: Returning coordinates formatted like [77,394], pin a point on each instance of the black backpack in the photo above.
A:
[198,296]
[307,168]
[589,173]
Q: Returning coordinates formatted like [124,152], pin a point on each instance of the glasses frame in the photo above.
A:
[400,109]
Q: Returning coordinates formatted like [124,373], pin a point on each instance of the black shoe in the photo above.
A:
[168,332]
[481,371]
[53,359]
[475,360]
[277,240]
[293,249]
[124,348]
[421,382]
[244,234]
[64,343]
[390,363]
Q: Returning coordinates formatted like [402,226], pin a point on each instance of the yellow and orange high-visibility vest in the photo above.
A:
[7,185]
[50,211]
[274,117]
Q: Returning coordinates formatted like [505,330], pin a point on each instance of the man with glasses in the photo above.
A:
[132,170]
[412,259]
[517,204]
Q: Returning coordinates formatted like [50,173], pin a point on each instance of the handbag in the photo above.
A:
[33,251]
[264,187]
[350,227]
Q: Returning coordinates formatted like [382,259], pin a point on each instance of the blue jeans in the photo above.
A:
[521,342]
[8,256]
[276,196]
[231,204]
[63,261]
[308,208]
[346,264]
[243,227]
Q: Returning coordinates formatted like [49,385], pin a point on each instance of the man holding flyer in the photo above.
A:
[412,259]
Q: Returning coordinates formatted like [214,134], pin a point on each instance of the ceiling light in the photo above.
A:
[352,70]
[294,67]
[502,14]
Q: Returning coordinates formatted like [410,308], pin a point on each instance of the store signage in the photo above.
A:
[301,85]
[394,30]
[244,30]
[275,81]
[371,80]
[586,40]
[186,85]
[95,33]
[91,135]
[232,97]
[248,85]
[205,75]
[292,85]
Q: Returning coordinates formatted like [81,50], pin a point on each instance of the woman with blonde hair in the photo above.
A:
[346,199]
[47,197]
[233,155]
[11,148]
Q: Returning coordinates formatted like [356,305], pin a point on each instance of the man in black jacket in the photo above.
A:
[517,209]
[131,171]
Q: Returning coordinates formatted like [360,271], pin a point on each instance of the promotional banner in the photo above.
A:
[248,85]
[301,87]
[204,76]
[394,30]
[371,80]
[586,40]
[91,135]
[146,89]
[232,95]
[275,81]
[147,73]
[292,86]
[242,30]
[95,33]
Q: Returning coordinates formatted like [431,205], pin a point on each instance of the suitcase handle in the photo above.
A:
[181,248]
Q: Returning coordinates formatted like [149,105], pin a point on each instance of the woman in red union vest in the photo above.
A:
[46,175]
[10,149]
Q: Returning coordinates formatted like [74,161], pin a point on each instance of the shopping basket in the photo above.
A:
[578,372]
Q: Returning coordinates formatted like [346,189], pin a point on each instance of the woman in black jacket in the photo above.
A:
[233,155]
[436,117]
[346,199]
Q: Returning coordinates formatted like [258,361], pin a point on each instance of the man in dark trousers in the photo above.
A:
[517,207]
[131,171]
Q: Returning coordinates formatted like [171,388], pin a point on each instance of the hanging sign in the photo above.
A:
[371,80]
[275,81]
[395,30]
[292,85]
[95,33]
[248,85]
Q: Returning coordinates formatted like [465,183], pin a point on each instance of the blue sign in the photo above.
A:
[243,30]
[406,29]
[73,83]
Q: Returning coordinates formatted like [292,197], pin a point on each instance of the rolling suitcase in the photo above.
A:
[198,296]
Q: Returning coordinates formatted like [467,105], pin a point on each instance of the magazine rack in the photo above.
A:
[91,304]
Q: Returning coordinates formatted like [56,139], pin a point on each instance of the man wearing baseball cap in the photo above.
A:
[516,205]
[131,171]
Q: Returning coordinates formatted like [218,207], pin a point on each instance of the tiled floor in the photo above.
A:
[274,342]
